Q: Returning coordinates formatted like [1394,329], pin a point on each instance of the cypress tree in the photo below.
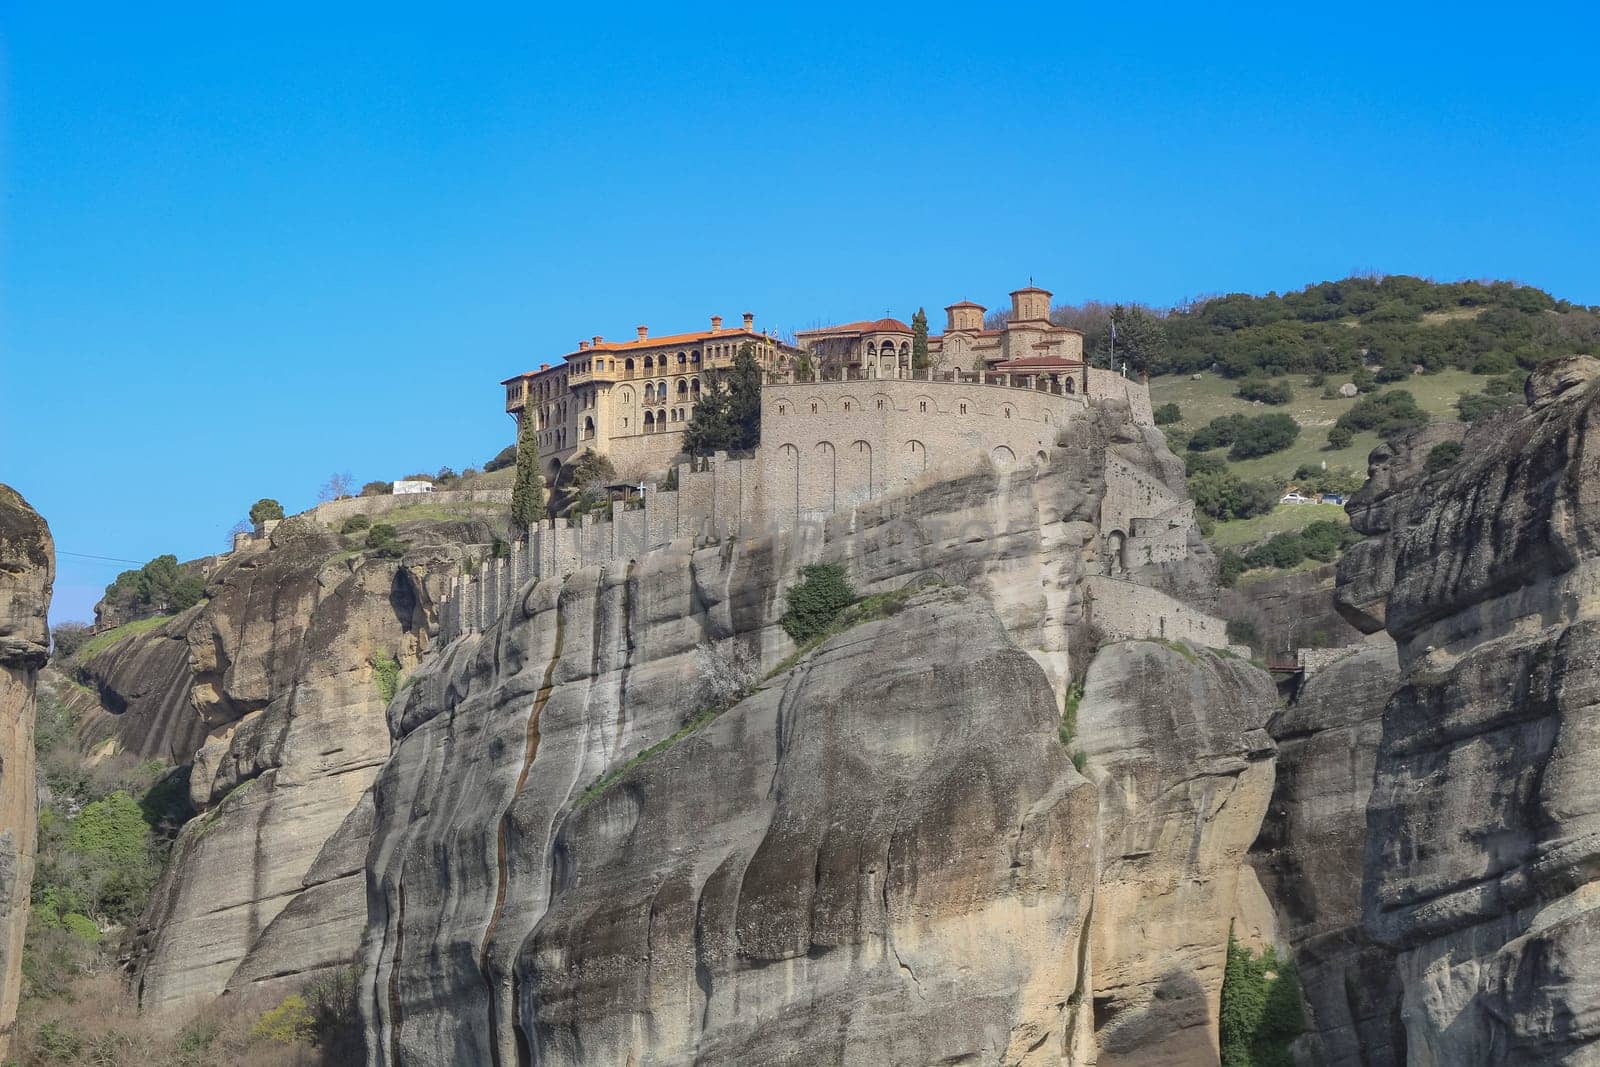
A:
[919,340]
[728,415]
[527,496]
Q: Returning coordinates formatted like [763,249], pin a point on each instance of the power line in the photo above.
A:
[108,559]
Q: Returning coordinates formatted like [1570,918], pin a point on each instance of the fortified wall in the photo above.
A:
[833,445]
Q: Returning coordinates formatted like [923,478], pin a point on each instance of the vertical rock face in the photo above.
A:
[884,855]
[27,571]
[274,690]
[1310,858]
[1175,741]
[1483,845]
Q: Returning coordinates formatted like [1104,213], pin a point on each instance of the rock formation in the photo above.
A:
[27,571]
[1310,854]
[273,689]
[1483,844]
[884,854]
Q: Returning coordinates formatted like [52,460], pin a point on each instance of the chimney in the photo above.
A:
[749,320]
[583,346]
[644,331]
[716,324]
[597,340]
[544,366]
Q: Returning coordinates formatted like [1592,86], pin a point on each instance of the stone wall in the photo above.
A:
[828,447]
[1125,611]
[334,512]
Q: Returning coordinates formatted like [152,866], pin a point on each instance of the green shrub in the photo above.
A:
[1264,435]
[815,601]
[1340,437]
[67,637]
[1474,406]
[355,524]
[384,541]
[1168,414]
[1442,455]
[81,926]
[289,1022]
[1261,1013]
[110,829]
[1229,566]
[59,1043]
[386,673]
[1268,392]
[1390,413]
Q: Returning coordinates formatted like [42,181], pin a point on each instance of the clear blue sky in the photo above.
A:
[246,249]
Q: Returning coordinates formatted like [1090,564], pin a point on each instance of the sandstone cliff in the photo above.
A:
[1310,856]
[884,854]
[27,571]
[273,689]
[1483,844]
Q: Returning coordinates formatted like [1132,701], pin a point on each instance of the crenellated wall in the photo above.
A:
[828,447]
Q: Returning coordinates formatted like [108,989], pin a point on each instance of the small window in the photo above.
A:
[847,405]
[963,409]
[922,405]
[880,405]
[813,409]
[1008,412]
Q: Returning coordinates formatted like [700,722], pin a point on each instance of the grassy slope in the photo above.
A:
[1212,396]
[100,642]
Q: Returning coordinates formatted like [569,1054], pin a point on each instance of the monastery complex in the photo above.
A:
[632,400]
[847,420]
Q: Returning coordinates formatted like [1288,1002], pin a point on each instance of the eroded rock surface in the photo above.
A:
[274,690]
[1483,844]
[883,856]
[27,571]
[1176,742]
[1310,857]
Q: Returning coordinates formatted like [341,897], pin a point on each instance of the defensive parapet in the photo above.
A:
[828,446]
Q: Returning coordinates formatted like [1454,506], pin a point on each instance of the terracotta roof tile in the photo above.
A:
[864,326]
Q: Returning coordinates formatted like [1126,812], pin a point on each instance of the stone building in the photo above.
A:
[631,400]
[1027,335]
[878,348]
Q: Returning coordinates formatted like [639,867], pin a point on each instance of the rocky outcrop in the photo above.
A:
[27,571]
[882,855]
[1310,856]
[1483,843]
[273,689]
[1290,611]
[1175,741]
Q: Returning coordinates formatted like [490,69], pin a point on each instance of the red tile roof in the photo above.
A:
[1038,363]
[964,304]
[864,326]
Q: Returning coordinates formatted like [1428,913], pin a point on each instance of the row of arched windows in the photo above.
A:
[654,421]
[688,388]
[662,362]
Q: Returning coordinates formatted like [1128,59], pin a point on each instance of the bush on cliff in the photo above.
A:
[815,601]
[384,541]
[1167,414]
[159,587]
[1261,1013]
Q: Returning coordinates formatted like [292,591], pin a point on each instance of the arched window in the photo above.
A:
[661,389]
[628,366]
[649,392]
[649,361]
[682,358]
[683,387]
[661,417]
[694,386]
[872,350]
[1070,387]
[588,429]
[649,422]
[694,356]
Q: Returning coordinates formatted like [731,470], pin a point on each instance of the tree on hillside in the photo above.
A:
[1141,337]
[919,340]
[264,509]
[527,493]
[728,416]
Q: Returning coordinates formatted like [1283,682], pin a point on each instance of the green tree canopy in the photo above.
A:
[264,509]
[527,493]
[728,415]
[919,340]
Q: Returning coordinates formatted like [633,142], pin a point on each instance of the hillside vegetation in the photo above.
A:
[1229,371]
